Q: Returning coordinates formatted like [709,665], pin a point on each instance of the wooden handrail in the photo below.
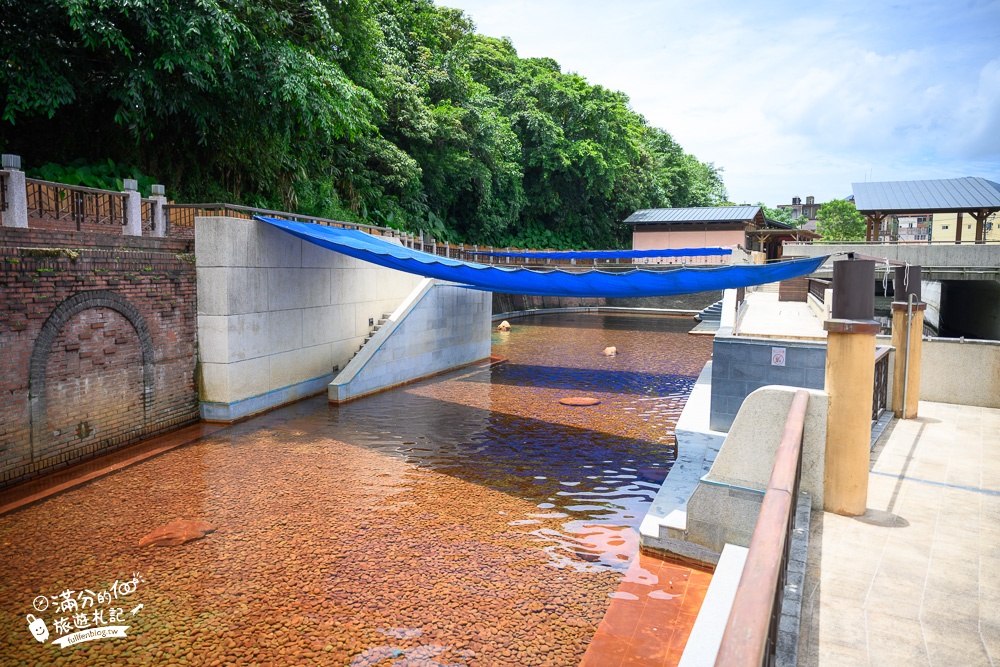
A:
[751,631]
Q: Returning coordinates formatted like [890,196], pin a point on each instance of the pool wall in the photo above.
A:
[440,326]
[278,315]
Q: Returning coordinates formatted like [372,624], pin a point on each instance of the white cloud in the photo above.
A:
[788,100]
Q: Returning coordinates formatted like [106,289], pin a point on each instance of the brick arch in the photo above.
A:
[58,319]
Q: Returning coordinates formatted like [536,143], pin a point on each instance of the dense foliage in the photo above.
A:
[839,220]
[392,111]
[780,215]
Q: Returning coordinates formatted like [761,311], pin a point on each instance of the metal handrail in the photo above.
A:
[952,242]
[751,634]
[880,392]
[77,204]
[251,211]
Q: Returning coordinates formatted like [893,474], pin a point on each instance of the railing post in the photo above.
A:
[159,218]
[850,378]
[16,195]
[907,338]
[133,208]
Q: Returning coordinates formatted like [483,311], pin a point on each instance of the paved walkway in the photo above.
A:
[916,580]
[766,316]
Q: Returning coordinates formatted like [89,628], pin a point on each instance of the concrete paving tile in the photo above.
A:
[937,605]
[950,644]
[837,655]
[989,608]
[989,633]
[845,589]
[839,624]
[895,640]
[900,597]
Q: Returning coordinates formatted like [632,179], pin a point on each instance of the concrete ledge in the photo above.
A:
[706,636]
[595,309]
[230,412]
[664,528]
[438,327]
[358,363]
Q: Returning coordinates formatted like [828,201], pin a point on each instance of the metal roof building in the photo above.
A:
[978,197]
[745,226]
[696,214]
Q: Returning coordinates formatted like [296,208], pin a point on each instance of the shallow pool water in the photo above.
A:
[467,519]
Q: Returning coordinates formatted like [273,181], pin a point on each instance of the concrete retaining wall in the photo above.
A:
[277,314]
[936,255]
[963,372]
[742,365]
[724,507]
[440,326]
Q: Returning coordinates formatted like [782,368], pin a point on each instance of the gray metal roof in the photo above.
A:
[948,194]
[696,214]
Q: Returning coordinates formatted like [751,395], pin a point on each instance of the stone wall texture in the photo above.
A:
[98,339]
[278,316]
[741,365]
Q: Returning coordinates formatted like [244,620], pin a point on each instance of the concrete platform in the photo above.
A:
[767,317]
[916,580]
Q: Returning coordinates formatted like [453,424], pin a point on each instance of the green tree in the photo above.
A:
[393,112]
[838,220]
[780,215]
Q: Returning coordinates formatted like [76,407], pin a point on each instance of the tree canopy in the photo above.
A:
[395,112]
[780,215]
[838,220]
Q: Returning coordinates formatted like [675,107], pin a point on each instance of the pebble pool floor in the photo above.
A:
[464,520]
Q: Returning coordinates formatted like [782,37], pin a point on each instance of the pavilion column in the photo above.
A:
[980,217]
[958,227]
[850,380]
[907,338]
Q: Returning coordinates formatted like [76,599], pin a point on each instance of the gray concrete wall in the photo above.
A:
[963,372]
[440,326]
[742,365]
[276,314]
[937,255]
[724,507]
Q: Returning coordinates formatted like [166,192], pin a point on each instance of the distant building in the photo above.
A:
[947,225]
[913,227]
[710,226]
[808,211]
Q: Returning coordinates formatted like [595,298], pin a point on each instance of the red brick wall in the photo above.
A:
[103,341]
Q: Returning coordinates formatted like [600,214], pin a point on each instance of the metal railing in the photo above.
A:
[48,201]
[146,212]
[880,399]
[952,242]
[180,221]
[751,634]
[818,288]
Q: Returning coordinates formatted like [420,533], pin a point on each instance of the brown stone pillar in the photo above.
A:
[907,327]
[850,379]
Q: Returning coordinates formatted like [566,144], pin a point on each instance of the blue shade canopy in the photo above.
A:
[543,282]
[606,254]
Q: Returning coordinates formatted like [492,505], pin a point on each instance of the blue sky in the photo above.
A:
[790,98]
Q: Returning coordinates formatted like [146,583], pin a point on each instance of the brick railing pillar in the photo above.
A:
[15,213]
[159,215]
[133,208]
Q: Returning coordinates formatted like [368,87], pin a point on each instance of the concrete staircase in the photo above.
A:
[709,319]
[712,313]
[372,331]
